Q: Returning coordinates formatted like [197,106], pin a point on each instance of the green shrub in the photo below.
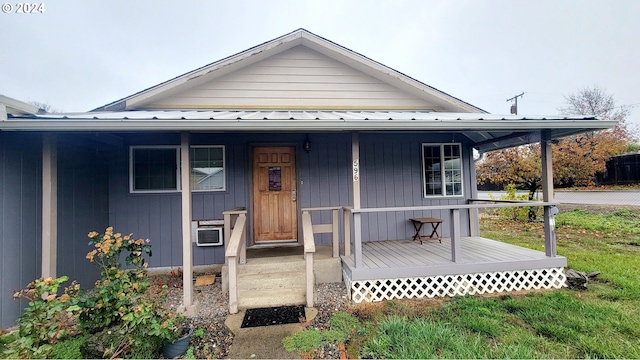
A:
[304,341]
[68,348]
[119,305]
[47,318]
[345,323]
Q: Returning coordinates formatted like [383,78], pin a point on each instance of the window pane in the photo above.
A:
[443,170]
[154,169]
[207,168]
[432,170]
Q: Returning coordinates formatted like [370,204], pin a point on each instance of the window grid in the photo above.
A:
[442,165]
[156,168]
[207,168]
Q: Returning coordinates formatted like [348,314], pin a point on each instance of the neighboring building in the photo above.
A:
[290,125]
[621,170]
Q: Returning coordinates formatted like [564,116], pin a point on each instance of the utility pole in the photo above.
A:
[514,107]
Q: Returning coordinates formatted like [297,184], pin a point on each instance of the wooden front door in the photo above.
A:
[274,194]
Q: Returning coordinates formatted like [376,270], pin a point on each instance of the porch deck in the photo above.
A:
[405,258]
[407,269]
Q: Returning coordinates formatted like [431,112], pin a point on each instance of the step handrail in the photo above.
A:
[309,250]
[235,253]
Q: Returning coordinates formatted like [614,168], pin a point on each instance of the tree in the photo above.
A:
[520,166]
[45,107]
[578,158]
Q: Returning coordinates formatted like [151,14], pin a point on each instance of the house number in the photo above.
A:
[356,170]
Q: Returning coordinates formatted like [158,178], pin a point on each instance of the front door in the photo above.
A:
[274,194]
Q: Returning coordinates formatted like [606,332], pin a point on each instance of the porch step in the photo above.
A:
[279,280]
[272,265]
[270,288]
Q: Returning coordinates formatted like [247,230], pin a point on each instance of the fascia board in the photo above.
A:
[17,107]
[295,125]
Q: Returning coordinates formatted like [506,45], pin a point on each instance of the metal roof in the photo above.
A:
[303,115]
[485,131]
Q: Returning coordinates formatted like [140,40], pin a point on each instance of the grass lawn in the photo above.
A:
[602,322]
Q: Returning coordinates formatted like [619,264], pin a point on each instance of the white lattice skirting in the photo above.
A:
[452,285]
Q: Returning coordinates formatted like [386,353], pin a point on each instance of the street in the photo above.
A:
[631,197]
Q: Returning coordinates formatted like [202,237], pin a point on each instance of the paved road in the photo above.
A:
[586,197]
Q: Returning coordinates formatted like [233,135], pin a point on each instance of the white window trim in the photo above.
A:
[442,178]
[178,182]
[131,182]
[224,167]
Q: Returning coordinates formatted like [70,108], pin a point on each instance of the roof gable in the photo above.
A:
[424,96]
[297,78]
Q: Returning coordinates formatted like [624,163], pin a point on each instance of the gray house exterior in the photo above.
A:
[324,127]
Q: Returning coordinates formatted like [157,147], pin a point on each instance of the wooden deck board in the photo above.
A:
[405,258]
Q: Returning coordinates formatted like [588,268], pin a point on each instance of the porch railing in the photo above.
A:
[236,251]
[332,227]
[454,224]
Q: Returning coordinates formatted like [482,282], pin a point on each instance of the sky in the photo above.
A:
[79,55]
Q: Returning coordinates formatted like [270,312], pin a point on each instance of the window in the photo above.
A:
[154,168]
[207,168]
[157,168]
[442,165]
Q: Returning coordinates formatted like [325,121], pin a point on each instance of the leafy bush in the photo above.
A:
[47,318]
[119,303]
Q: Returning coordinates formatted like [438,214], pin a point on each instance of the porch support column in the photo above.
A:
[357,240]
[355,156]
[474,221]
[454,231]
[547,194]
[357,220]
[49,205]
[187,257]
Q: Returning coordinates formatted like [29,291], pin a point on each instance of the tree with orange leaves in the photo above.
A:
[576,159]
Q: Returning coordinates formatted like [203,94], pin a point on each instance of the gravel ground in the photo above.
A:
[213,309]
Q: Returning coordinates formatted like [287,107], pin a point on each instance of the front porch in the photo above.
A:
[407,269]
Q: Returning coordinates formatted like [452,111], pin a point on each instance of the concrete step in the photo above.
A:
[271,281]
[268,286]
[272,265]
[270,298]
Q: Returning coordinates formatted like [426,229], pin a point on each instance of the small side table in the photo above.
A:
[419,222]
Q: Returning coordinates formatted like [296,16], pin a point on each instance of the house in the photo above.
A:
[297,141]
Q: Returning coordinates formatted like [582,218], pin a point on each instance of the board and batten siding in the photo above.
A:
[296,78]
[391,169]
[391,176]
[20,218]
[83,204]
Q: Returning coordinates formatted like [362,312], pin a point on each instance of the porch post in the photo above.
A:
[49,205]
[187,259]
[474,221]
[357,240]
[355,157]
[454,229]
[357,221]
[547,194]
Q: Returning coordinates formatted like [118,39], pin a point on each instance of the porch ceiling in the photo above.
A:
[486,131]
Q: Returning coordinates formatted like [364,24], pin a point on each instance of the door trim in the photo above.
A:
[250,207]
